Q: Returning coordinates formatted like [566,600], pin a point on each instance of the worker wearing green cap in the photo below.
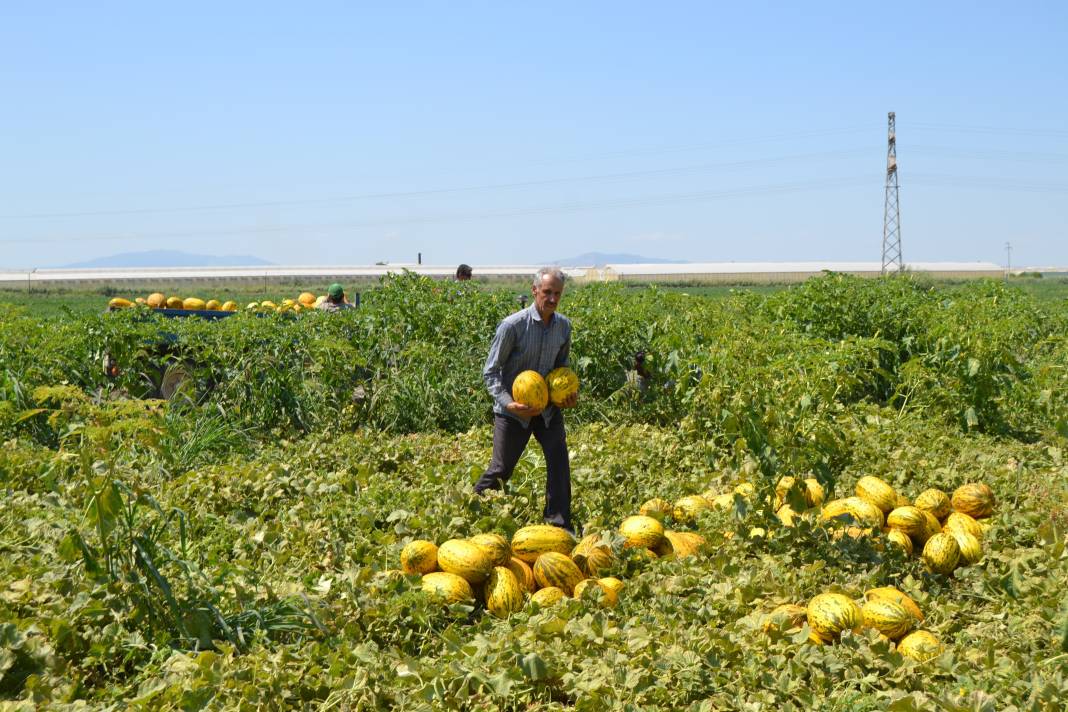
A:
[335,299]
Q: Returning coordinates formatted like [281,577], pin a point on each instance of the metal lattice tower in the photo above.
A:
[891,217]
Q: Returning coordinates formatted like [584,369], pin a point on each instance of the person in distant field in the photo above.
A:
[463,273]
[538,339]
[335,299]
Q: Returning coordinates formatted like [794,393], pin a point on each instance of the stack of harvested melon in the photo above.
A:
[541,562]
[946,530]
[887,610]
[157,300]
[305,301]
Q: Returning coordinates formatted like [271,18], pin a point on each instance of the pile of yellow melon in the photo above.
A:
[542,563]
[305,301]
[947,531]
[158,300]
[887,610]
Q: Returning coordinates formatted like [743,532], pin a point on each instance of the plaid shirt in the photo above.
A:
[524,343]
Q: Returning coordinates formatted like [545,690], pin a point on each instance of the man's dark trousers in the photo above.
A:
[510,438]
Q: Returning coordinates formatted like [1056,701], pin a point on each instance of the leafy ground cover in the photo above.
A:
[236,546]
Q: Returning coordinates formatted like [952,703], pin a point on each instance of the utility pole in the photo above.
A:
[1008,259]
[891,216]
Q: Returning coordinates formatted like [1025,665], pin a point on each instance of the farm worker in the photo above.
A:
[536,339]
[335,299]
[463,273]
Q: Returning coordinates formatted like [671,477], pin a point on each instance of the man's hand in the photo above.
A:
[571,401]
[522,410]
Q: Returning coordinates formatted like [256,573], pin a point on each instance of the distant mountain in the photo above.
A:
[169,258]
[597,259]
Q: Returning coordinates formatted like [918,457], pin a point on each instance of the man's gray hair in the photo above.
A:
[554,272]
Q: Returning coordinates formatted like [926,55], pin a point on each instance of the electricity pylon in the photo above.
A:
[891,215]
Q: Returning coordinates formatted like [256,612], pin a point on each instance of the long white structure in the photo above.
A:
[696,272]
[98,277]
[777,272]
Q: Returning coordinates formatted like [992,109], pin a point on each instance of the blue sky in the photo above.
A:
[350,133]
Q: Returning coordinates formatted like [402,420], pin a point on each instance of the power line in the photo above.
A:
[1002,130]
[627,175]
[664,199]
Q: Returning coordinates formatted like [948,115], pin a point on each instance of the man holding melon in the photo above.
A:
[526,373]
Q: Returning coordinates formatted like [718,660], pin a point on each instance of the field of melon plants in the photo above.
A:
[238,546]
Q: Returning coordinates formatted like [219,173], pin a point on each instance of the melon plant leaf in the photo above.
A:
[534,667]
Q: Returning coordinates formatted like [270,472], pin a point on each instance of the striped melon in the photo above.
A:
[531,542]
[229,306]
[556,569]
[814,494]
[213,305]
[834,508]
[902,501]
[878,492]
[941,553]
[687,508]
[119,303]
[724,501]
[156,300]
[497,545]
[974,499]
[419,557]
[545,597]
[175,303]
[936,502]
[788,615]
[933,527]
[306,298]
[910,520]
[961,522]
[466,559]
[641,531]
[971,551]
[592,555]
[816,639]
[607,597]
[530,389]
[746,489]
[900,539]
[611,583]
[659,509]
[920,645]
[680,544]
[786,515]
[831,613]
[193,303]
[502,592]
[864,512]
[562,383]
[851,532]
[450,587]
[889,593]
[523,574]
[784,485]
[888,617]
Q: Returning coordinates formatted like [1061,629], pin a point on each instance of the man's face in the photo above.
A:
[547,294]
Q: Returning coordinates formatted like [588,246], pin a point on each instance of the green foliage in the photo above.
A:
[236,545]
